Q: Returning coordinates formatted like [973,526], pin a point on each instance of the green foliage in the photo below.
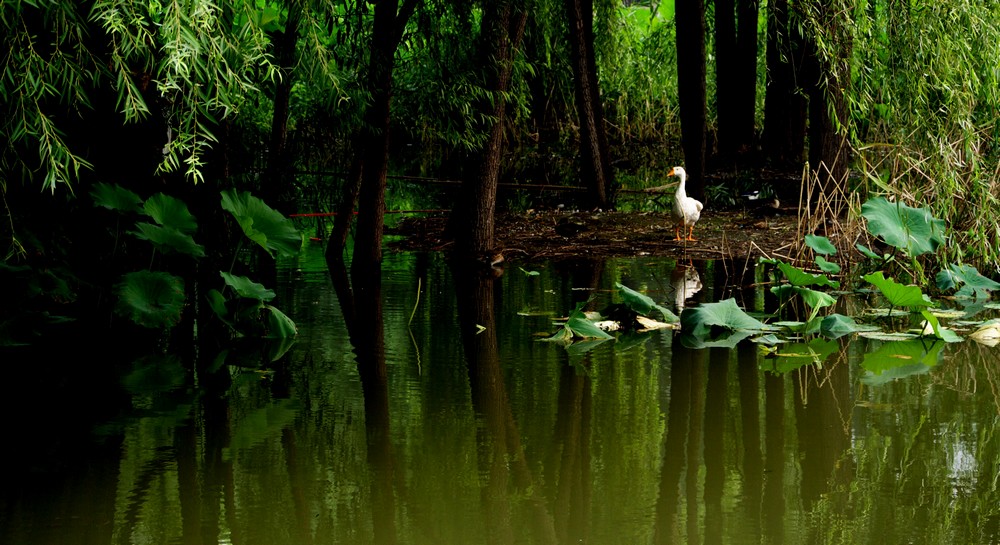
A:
[643,304]
[245,287]
[974,285]
[151,299]
[167,239]
[263,224]
[155,299]
[204,58]
[579,326]
[115,197]
[925,106]
[899,295]
[912,230]
[700,320]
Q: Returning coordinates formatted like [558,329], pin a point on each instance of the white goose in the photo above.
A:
[686,210]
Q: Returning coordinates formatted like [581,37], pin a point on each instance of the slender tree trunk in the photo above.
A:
[595,165]
[472,219]
[827,81]
[784,104]
[726,78]
[690,16]
[745,121]
[387,32]
[277,191]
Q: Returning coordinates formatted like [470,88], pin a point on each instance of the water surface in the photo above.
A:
[423,408]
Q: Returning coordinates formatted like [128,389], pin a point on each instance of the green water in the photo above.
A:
[444,420]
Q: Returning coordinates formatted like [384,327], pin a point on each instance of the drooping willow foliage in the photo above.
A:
[921,89]
[924,105]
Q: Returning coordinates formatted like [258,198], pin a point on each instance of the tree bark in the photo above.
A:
[726,78]
[277,191]
[374,151]
[745,121]
[690,17]
[595,167]
[472,219]
[784,104]
[827,80]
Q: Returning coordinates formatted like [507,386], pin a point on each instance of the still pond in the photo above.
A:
[441,417]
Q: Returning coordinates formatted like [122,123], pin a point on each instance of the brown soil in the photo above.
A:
[560,235]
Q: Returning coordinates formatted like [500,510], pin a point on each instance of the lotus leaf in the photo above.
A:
[169,239]
[913,230]
[151,299]
[643,304]
[974,284]
[699,320]
[170,212]
[115,197]
[820,244]
[899,295]
[262,224]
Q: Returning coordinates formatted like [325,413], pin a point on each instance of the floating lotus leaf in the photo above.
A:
[726,314]
[837,325]
[643,304]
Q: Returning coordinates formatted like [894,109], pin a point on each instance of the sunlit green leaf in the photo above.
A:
[820,244]
[837,325]
[726,314]
[582,327]
[827,266]
[913,230]
[262,224]
[898,295]
[935,329]
[798,277]
[974,284]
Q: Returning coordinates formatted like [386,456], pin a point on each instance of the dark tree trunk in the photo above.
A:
[726,77]
[372,163]
[784,104]
[827,81]
[595,167]
[690,17]
[278,191]
[472,220]
[744,123]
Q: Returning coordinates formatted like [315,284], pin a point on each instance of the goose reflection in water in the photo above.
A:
[686,282]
